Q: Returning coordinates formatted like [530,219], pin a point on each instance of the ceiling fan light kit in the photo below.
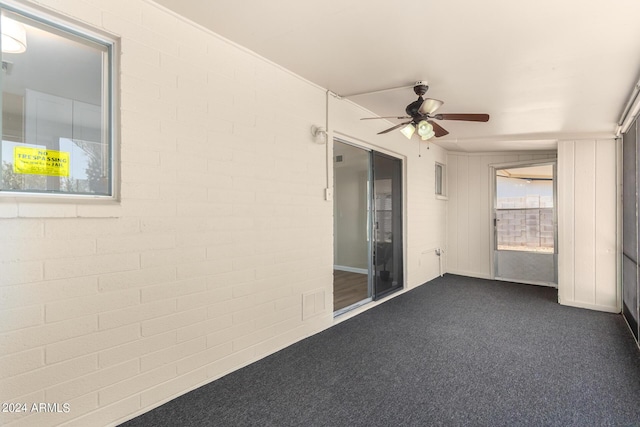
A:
[421,112]
[425,130]
[408,130]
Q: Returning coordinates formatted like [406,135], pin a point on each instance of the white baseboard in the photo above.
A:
[596,307]
[468,273]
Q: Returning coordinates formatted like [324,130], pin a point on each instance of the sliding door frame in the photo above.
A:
[375,149]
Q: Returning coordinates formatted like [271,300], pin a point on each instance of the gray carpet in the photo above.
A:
[456,351]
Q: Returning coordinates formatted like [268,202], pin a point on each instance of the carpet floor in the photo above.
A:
[456,351]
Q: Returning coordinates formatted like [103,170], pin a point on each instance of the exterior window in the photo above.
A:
[57,103]
[440,180]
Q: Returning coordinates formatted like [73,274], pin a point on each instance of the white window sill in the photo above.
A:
[439,197]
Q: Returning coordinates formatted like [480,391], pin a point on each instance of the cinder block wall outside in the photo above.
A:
[531,227]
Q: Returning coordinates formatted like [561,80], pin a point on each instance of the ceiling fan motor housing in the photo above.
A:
[412,109]
[421,87]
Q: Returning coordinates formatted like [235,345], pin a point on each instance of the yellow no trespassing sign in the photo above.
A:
[38,161]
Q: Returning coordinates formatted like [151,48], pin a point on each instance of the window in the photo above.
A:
[440,180]
[57,108]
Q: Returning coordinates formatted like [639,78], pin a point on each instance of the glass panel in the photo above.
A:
[524,209]
[439,179]
[387,189]
[351,180]
[630,171]
[55,133]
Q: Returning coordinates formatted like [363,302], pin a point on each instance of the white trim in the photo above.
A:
[503,153]
[468,274]
[619,226]
[528,282]
[351,269]
[493,168]
[577,304]
[630,112]
[352,307]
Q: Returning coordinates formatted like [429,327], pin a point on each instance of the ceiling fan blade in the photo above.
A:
[394,127]
[465,117]
[437,129]
[429,106]
[386,117]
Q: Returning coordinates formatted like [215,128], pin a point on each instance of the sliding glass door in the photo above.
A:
[368,248]
[387,256]
[351,226]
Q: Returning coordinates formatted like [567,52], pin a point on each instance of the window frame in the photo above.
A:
[75,29]
[442,195]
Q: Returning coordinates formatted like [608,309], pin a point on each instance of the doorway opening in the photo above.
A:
[524,224]
[368,248]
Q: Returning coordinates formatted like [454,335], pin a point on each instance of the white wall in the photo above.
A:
[221,249]
[587,219]
[425,216]
[588,195]
[469,230]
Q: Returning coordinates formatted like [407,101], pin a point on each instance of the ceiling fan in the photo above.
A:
[421,113]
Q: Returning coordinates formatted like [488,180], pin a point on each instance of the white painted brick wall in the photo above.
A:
[20,318]
[135,349]
[221,228]
[38,379]
[18,363]
[91,343]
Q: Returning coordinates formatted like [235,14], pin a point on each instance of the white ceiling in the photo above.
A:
[544,70]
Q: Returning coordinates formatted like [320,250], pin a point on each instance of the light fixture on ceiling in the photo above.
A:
[408,130]
[14,36]
[425,130]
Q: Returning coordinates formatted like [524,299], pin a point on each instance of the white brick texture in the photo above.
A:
[221,227]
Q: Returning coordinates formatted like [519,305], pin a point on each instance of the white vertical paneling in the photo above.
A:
[606,212]
[486,216]
[469,212]
[476,214]
[566,226]
[587,225]
[462,219]
[584,221]
[452,214]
